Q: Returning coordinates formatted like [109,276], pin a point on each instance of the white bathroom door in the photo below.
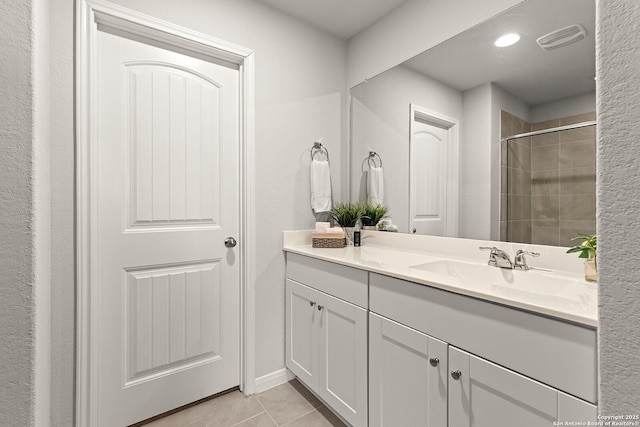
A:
[433,176]
[166,294]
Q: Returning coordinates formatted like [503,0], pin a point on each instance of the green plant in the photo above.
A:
[372,214]
[587,247]
[347,214]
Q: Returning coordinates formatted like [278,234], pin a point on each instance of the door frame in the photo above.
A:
[452,179]
[90,14]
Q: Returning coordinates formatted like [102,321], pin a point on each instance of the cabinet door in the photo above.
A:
[302,332]
[342,358]
[487,395]
[406,388]
[573,409]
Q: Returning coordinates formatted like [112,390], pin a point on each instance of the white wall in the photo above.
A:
[475,164]
[300,96]
[584,103]
[413,28]
[380,122]
[63,325]
[500,100]
[618,198]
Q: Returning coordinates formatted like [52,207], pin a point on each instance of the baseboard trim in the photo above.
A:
[273,379]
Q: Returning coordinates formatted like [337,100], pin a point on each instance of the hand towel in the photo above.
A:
[322,227]
[320,186]
[375,184]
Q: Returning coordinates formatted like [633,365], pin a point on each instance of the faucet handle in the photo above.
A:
[523,253]
[493,249]
[492,255]
[520,262]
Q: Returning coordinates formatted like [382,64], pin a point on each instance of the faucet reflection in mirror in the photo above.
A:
[547,179]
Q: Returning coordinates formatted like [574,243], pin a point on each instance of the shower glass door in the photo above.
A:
[548,181]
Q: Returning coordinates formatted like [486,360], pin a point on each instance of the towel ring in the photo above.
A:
[318,148]
[371,160]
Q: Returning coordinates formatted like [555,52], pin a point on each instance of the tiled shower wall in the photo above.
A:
[548,181]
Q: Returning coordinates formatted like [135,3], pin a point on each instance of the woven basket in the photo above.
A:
[328,240]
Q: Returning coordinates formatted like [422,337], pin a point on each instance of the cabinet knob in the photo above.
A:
[320,307]
[434,361]
[312,303]
[456,375]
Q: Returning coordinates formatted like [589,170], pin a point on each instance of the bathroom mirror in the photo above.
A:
[439,119]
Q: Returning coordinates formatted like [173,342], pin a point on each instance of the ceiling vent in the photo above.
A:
[562,37]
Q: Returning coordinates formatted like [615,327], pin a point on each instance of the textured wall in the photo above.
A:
[41,229]
[618,64]
[17,275]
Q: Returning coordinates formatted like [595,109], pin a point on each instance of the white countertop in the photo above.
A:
[555,288]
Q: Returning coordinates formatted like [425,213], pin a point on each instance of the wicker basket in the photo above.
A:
[328,240]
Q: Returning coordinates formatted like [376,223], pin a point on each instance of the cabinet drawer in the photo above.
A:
[349,284]
[559,354]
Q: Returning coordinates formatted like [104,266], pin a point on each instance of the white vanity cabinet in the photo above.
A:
[407,376]
[384,351]
[326,334]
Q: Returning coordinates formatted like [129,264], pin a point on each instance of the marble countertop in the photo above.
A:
[554,287]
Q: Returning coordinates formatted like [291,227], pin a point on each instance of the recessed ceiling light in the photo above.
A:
[508,40]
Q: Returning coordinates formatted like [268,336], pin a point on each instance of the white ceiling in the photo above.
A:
[342,18]
[525,70]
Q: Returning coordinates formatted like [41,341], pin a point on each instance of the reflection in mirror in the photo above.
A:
[548,179]
[481,93]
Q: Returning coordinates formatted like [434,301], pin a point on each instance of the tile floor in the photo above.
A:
[288,404]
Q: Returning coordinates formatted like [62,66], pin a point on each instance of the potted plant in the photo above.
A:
[372,214]
[347,216]
[587,249]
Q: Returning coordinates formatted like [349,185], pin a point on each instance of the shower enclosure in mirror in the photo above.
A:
[460,183]
[548,179]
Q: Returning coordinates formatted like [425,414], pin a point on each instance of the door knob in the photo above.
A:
[456,375]
[434,361]
[312,303]
[320,307]
[230,242]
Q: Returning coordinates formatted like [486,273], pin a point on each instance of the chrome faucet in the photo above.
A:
[520,262]
[498,257]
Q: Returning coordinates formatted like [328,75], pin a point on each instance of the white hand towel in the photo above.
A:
[375,186]
[320,186]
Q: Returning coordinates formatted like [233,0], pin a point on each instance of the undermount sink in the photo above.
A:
[483,275]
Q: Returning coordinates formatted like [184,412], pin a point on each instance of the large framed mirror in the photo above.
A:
[488,142]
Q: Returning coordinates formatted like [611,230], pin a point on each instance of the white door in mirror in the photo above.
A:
[431,199]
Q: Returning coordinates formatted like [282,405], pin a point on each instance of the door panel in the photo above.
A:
[302,332]
[487,395]
[429,159]
[167,289]
[173,121]
[404,387]
[171,318]
[576,410]
[342,369]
